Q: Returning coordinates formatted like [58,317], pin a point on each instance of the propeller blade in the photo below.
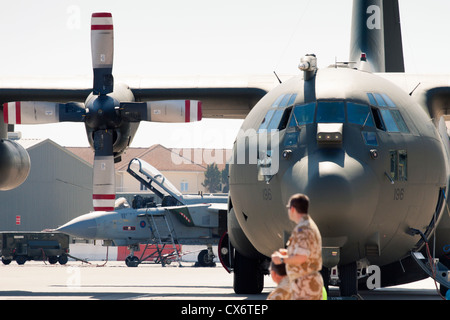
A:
[162,111]
[104,186]
[102,47]
[38,112]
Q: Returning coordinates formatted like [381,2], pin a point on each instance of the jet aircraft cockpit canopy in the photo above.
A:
[162,184]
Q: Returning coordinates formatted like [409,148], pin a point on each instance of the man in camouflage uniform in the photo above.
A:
[303,257]
[279,276]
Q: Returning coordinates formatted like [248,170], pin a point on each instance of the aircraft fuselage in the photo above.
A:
[367,155]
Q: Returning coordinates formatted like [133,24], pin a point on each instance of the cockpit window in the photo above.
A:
[303,114]
[266,120]
[292,99]
[277,102]
[383,118]
[386,117]
[275,121]
[389,121]
[380,100]
[378,119]
[372,99]
[285,100]
[388,100]
[359,114]
[330,112]
[399,120]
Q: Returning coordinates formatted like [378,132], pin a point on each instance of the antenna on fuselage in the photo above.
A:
[279,80]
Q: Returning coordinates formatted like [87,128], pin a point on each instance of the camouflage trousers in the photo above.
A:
[307,288]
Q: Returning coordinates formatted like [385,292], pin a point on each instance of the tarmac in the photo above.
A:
[36,280]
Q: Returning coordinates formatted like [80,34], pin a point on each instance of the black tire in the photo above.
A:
[348,280]
[248,276]
[52,259]
[6,261]
[204,260]
[63,259]
[132,261]
[21,260]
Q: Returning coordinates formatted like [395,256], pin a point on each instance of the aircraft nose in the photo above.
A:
[84,226]
[343,191]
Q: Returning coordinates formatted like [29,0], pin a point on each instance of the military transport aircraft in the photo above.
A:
[180,219]
[365,141]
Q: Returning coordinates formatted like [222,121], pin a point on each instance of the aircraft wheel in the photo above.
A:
[348,280]
[6,261]
[248,276]
[205,260]
[132,261]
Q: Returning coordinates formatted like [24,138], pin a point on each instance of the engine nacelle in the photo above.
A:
[14,164]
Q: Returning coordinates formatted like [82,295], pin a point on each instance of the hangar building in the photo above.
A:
[58,189]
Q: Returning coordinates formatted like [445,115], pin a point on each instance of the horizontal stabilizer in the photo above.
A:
[37,112]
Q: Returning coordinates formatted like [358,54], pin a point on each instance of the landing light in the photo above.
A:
[329,133]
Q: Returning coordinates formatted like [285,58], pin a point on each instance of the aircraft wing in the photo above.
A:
[222,97]
[203,215]
[55,89]
[425,89]
[229,97]
[216,207]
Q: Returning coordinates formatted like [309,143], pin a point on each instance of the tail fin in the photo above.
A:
[376,32]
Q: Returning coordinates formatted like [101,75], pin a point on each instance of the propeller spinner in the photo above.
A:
[110,113]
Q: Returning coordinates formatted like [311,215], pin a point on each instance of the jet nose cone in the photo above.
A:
[331,190]
[84,226]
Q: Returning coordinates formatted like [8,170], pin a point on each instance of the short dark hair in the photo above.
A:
[279,269]
[300,202]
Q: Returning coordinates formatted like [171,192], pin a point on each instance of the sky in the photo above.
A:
[51,38]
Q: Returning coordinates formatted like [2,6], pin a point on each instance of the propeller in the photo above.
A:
[38,112]
[104,186]
[102,48]
[107,113]
[163,111]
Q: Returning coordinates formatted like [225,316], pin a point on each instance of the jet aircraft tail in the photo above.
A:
[376,39]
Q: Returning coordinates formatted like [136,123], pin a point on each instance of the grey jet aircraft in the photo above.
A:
[180,219]
[364,140]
